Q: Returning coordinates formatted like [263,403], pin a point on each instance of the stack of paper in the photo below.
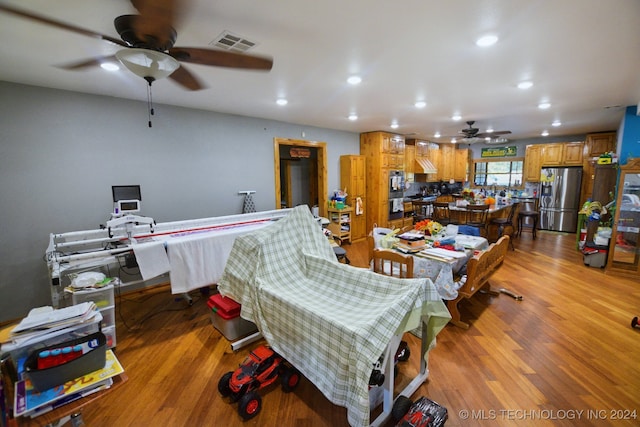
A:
[44,320]
[443,254]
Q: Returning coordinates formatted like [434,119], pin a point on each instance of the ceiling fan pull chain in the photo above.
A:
[149,99]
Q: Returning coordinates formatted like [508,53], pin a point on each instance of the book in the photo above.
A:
[28,399]
[102,385]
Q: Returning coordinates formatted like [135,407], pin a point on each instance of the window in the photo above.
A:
[498,172]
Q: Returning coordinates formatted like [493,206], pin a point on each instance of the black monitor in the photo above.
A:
[126,192]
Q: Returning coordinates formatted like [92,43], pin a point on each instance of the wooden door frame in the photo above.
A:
[321,163]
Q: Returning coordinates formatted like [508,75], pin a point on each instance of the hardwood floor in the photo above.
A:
[564,356]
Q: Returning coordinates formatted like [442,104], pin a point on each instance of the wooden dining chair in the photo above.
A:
[392,263]
[506,223]
[441,212]
[477,217]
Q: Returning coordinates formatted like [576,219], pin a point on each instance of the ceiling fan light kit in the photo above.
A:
[148,64]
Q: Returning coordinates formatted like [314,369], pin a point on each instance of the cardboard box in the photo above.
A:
[225,316]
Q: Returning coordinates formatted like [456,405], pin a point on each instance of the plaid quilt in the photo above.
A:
[330,320]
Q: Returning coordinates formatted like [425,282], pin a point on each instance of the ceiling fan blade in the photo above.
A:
[88,63]
[59,24]
[492,134]
[221,58]
[186,79]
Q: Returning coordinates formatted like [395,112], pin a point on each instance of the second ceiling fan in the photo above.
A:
[471,134]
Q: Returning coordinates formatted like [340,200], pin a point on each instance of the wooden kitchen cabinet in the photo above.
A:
[562,154]
[353,178]
[599,143]
[461,164]
[410,159]
[624,248]
[595,144]
[551,154]
[572,154]
[447,162]
[435,156]
[383,151]
[532,163]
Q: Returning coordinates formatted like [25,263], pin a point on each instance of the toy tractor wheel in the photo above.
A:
[223,385]
[634,322]
[400,407]
[249,406]
[290,379]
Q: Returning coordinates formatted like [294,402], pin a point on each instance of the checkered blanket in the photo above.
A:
[330,320]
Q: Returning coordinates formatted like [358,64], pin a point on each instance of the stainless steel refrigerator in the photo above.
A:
[560,198]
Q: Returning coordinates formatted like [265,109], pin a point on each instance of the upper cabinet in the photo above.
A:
[461,165]
[551,154]
[532,162]
[562,154]
[599,143]
[555,154]
[572,153]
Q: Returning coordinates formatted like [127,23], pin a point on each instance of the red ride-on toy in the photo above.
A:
[261,368]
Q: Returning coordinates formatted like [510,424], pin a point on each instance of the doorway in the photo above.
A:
[300,173]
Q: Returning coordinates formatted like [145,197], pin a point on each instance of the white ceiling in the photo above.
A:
[583,56]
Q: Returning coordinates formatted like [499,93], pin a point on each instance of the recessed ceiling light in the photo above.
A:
[420,104]
[488,40]
[556,123]
[394,125]
[545,133]
[436,135]
[453,140]
[490,130]
[544,105]
[109,66]
[456,117]
[525,85]
[353,117]
[354,80]
[282,101]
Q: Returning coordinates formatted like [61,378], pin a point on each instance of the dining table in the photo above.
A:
[440,265]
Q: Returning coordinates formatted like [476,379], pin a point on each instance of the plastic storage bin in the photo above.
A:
[225,316]
[595,255]
[101,297]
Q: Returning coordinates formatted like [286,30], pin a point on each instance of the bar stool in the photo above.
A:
[477,217]
[507,221]
[532,215]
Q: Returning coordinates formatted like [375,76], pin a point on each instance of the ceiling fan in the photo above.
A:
[148,40]
[471,135]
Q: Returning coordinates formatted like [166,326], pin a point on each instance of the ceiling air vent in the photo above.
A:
[229,41]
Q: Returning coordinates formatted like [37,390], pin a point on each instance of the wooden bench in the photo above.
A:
[479,269]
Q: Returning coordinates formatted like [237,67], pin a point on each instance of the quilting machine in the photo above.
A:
[71,253]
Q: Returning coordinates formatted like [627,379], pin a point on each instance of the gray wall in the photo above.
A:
[60,153]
